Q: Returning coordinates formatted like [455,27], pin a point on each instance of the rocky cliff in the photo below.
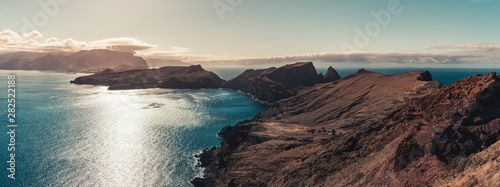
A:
[331,75]
[268,85]
[274,84]
[191,77]
[374,130]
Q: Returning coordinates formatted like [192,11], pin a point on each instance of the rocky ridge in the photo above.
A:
[267,85]
[400,130]
[274,84]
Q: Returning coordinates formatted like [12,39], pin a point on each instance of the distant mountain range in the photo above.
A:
[82,61]
[20,55]
[156,62]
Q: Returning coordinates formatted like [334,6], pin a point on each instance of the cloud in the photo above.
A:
[123,44]
[173,53]
[468,53]
[11,41]
[357,57]
[32,35]
[483,46]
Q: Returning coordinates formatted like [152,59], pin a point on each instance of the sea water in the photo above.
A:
[74,135]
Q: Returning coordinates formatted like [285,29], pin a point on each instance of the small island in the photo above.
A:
[178,77]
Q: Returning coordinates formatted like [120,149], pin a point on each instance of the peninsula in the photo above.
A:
[367,129]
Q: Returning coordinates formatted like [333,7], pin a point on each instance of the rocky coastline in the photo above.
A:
[267,85]
[366,129]
[397,130]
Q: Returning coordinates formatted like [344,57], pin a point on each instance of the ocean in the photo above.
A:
[75,135]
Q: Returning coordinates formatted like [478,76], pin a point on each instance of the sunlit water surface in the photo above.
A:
[73,135]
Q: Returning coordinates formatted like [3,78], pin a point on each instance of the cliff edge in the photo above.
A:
[274,84]
[368,129]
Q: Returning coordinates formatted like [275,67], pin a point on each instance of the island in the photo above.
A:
[191,77]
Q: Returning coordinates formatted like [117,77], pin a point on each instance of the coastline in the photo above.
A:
[250,133]
[252,148]
[247,132]
[350,108]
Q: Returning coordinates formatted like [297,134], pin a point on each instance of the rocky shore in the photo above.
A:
[367,129]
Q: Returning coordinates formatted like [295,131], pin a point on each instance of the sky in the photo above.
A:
[261,32]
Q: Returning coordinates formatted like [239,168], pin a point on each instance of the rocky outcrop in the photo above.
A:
[274,84]
[301,73]
[191,77]
[399,130]
[331,75]
[452,124]
[82,61]
[278,148]
[446,135]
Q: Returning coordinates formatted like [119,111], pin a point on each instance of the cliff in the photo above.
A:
[268,85]
[83,61]
[191,77]
[400,130]
[274,84]
[375,130]
[331,75]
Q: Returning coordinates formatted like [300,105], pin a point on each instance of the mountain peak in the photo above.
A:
[331,75]
[273,84]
